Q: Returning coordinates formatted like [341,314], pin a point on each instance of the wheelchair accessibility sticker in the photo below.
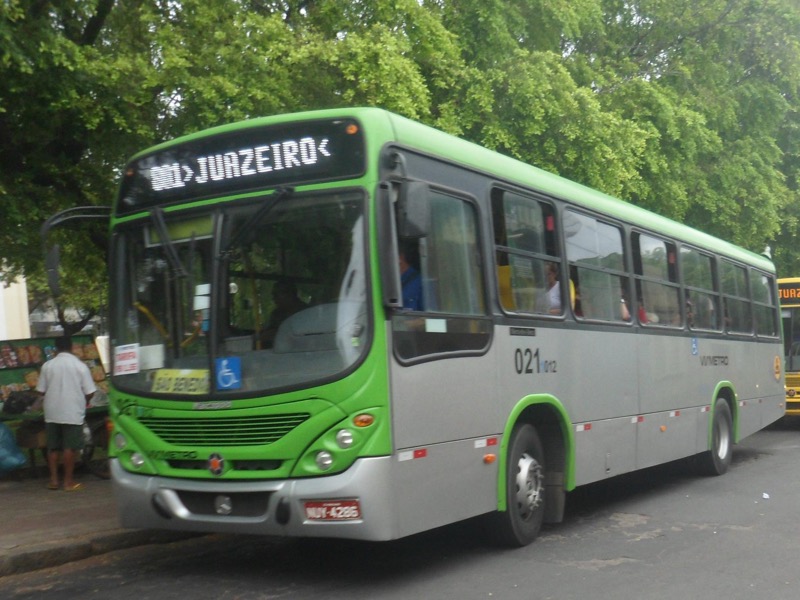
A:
[229,373]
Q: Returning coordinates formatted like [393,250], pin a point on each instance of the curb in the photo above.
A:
[54,554]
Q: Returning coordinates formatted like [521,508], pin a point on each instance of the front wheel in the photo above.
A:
[717,460]
[525,490]
[95,449]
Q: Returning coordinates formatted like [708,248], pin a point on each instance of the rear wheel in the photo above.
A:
[525,471]
[717,460]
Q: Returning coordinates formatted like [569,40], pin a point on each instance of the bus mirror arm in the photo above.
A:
[51,265]
[387,248]
[52,253]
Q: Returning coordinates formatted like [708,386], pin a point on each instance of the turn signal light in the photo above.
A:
[363,420]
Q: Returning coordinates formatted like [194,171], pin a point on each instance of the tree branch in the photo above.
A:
[96,22]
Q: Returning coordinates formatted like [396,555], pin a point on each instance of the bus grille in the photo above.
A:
[231,431]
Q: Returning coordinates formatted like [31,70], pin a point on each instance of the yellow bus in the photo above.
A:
[789,290]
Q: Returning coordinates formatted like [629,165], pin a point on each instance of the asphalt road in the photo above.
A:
[664,533]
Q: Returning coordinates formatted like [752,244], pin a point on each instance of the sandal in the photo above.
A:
[52,486]
[74,487]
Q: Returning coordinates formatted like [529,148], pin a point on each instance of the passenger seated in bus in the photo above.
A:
[411,283]
[643,317]
[553,289]
[646,316]
[701,315]
[287,302]
[624,311]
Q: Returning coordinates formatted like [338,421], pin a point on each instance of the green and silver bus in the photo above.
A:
[344,323]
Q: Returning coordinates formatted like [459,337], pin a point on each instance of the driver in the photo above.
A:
[287,302]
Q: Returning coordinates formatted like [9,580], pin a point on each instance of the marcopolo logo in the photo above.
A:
[216,464]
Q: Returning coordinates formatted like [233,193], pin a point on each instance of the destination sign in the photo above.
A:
[789,293]
[244,160]
[181,381]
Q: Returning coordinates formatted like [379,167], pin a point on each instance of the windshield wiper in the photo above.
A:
[251,224]
[157,217]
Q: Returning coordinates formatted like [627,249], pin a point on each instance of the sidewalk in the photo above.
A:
[43,528]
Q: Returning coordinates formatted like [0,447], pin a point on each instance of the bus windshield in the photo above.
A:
[245,299]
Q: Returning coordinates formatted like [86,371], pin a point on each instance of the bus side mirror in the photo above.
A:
[387,247]
[51,264]
[413,210]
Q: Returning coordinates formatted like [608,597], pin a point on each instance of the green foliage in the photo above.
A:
[686,107]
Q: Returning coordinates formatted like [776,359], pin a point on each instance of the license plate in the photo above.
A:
[333,510]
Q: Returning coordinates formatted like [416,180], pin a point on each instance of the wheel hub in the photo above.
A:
[723,441]
[530,484]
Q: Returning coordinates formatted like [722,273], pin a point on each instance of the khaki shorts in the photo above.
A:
[60,436]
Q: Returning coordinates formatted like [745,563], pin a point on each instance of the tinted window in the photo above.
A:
[596,258]
[736,298]
[702,300]
[446,312]
[527,258]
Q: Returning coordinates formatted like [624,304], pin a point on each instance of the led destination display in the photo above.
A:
[789,291]
[245,160]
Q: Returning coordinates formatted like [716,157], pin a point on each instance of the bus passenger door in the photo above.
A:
[441,381]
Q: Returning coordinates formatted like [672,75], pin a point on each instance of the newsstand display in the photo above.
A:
[21,408]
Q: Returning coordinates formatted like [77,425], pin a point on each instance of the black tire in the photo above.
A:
[519,525]
[717,460]
[95,452]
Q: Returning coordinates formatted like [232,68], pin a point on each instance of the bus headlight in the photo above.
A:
[137,460]
[324,460]
[344,438]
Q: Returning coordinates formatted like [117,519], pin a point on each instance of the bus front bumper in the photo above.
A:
[356,504]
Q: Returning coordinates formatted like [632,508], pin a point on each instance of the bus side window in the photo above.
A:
[702,297]
[527,257]
[656,275]
[736,298]
[595,252]
[764,303]
[454,311]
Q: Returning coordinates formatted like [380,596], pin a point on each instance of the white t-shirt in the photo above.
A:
[554,296]
[65,382]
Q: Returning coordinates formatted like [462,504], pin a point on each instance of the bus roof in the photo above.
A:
[468,154]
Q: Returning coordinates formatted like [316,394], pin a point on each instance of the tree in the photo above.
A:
[49,130]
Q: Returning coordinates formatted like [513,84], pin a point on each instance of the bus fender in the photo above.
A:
[724,392]
[552,422]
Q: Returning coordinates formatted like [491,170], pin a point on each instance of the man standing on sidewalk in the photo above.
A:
[67,386]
